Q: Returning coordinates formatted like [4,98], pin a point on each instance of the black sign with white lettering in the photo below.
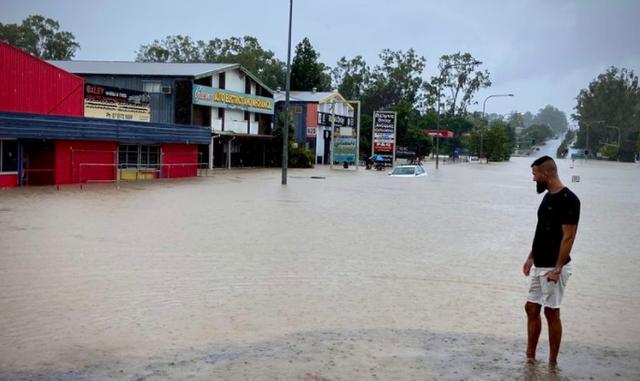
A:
[324,119]
[384,135]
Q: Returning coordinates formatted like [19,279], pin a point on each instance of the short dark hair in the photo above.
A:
[541,160]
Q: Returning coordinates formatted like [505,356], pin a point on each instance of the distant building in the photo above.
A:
[312,111]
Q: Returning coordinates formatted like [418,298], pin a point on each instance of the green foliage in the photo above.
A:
[306,72]
[614,98]
[395,85]
[608,151]
[351,77]
[554,118]
[246,51]
[298,157]
[366,123]
[538,132]
[516,119]
[498,142]
[397,80]
[460,126]
[40,37]
[459,81]
[278,133]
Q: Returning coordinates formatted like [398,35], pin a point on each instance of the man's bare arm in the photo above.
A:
[568,236]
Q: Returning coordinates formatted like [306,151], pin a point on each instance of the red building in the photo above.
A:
[45,140]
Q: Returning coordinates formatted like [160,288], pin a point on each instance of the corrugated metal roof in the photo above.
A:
[161,69]
[141,68]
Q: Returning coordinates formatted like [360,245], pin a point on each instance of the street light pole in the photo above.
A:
[438,125]
[484,105]
[285,133]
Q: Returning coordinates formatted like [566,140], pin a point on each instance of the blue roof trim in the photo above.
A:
[37,126]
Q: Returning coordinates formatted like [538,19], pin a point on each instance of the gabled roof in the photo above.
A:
[310,96]
[168,69]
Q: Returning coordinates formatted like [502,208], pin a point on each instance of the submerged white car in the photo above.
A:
[408,171]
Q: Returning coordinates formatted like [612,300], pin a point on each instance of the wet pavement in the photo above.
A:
[352,275]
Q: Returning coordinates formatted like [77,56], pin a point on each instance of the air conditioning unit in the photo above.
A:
[166,90]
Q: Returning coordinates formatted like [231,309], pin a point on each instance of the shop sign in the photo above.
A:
[108,102]
[384,135]
[324,119]
[311,132]
[214,97]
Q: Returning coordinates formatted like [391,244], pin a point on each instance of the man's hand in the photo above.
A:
[526,268]
[553,276]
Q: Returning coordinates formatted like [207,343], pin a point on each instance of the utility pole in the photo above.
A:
[285,133]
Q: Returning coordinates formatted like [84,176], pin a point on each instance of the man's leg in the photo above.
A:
[555,332]
[534,326]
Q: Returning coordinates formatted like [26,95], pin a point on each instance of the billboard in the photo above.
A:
[345,140]
[384,136]
[108,102]
[345,145]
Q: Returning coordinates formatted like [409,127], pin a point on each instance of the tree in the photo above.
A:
[537,134]
[498,142]
[245,51]
[306,72]
[614,98]
[460,126]
[398,79]
[527,119]
[351,77]
[298,156]
[41,37]
[395,85]
[176,48]
[516,119]
[554,118]
[458,81]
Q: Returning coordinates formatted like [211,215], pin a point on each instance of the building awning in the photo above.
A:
[51,127]
[231,134]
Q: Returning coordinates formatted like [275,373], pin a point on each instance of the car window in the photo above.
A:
[403,171]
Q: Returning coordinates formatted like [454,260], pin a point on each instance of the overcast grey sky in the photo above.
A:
[543,51]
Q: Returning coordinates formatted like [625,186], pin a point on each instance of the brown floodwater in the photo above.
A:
[353,275]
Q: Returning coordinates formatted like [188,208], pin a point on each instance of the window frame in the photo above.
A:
[143,154]
[2,149]
[155,83]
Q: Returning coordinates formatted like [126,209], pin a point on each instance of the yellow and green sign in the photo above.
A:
[213,97]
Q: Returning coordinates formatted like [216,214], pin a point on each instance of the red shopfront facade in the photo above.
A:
[44,139]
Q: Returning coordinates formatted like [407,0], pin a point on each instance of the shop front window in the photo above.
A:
[139,156]
[150,156]
[8,155]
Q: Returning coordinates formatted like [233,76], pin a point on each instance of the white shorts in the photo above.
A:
[545,293]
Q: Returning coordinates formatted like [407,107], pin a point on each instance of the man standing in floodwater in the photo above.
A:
[549,263]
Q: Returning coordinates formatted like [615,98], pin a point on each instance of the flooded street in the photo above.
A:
[355,275]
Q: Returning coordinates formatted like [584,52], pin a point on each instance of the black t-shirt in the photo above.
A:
[562,208]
